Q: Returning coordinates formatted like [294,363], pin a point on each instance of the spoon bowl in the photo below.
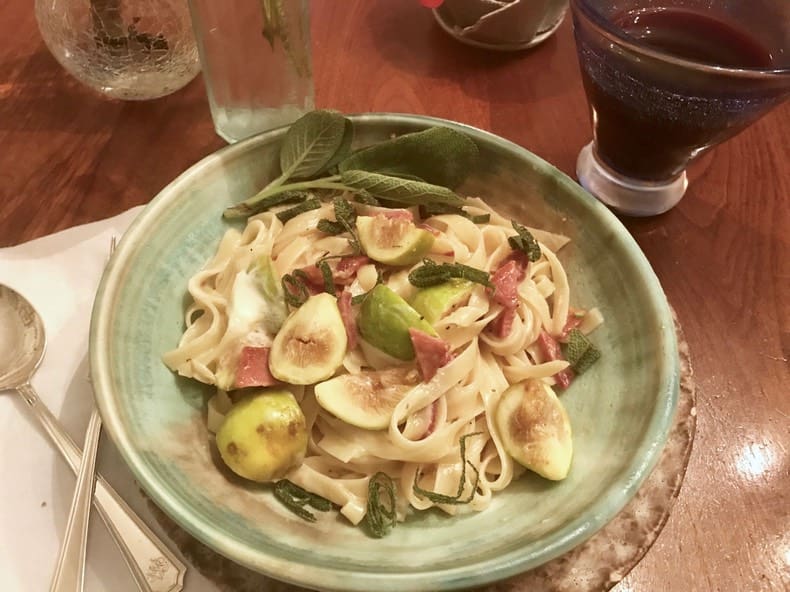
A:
[22,342]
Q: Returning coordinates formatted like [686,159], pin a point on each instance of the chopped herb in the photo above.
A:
[380,516]
[326,273]
[295,288]
[432,274]
[366,198]
[344,211]
[524,241]
[345,217]
[580,351]
[305,206]
[441,498]
[295,499]
[331,227]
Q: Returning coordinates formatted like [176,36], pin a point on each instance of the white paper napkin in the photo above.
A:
[59,274]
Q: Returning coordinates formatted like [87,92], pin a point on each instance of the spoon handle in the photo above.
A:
[69,573]
[153,565]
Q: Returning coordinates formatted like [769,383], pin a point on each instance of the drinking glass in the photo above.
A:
[664,89]
[125,49]
[256,62]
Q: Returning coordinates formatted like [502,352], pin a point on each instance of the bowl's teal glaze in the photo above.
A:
[621,410]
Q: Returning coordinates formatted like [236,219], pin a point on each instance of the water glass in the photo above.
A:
[256,62]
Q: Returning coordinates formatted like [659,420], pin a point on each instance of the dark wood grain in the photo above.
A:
[69,156]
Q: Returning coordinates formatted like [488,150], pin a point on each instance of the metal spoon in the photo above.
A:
[22,343]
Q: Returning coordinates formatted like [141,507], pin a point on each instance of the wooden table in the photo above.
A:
[70,157]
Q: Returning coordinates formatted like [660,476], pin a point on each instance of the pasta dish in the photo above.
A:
[386,359]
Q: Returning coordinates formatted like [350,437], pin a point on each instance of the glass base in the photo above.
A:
[624,195]
[235,124]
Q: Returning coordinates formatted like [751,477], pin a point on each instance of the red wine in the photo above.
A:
[652,117]
[695,36]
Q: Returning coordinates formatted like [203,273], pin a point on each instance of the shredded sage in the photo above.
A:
[431,273]
[381,516]
[310,204]
[295,499]
[441,498]
[326,274]
[580,351]
[525,242]
[295,288]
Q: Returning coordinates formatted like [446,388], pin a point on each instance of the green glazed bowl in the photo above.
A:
[621,410]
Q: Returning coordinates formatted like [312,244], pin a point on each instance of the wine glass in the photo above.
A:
[668,79]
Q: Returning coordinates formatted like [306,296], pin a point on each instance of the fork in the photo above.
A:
[69,573]
[154,567]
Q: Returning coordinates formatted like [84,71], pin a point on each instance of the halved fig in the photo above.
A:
[366,400]
[438,301]
[535,429]
[385,319]
[311,344]
[263,436]
[393,240]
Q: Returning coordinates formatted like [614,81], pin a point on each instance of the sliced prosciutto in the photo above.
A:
[550,348]
[506,279]
[314,279]
[347,268]
[573,322]
[502,323]
[343,273]
[349,320]
[253,368]
[431,352]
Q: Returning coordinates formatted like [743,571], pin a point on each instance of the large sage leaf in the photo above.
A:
[344,151]
[311,144]
[438,155]
[403,191]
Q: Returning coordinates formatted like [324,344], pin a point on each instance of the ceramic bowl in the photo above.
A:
[621,410]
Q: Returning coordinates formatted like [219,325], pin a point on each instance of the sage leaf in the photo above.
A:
[311,144]
[344,151]
[524,241]
[580,352]
[438,155]
[399,190]
[432,274]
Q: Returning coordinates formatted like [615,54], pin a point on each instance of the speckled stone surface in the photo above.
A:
[595,566]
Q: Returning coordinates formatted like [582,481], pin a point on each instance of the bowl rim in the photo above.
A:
[328,578]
